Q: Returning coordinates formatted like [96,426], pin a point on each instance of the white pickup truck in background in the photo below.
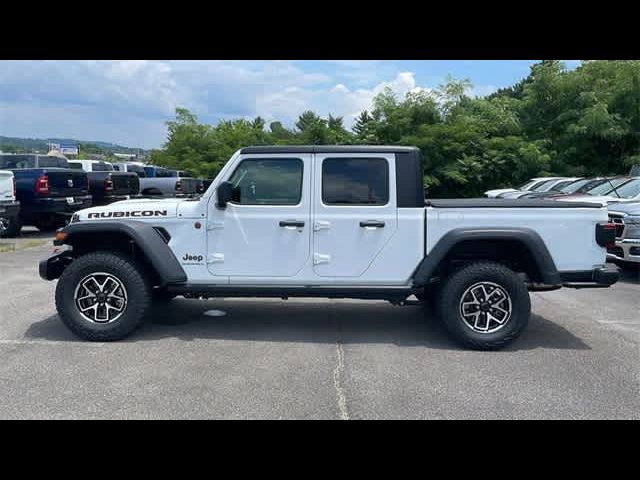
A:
[9,208]
[328,221]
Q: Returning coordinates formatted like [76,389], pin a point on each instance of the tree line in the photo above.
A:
[579,122]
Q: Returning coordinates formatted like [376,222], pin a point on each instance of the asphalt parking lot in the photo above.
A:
[304,359]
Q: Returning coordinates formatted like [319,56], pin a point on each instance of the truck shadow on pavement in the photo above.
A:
[630,274]
[313,322]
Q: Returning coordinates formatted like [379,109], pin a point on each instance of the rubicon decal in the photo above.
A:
[133,213]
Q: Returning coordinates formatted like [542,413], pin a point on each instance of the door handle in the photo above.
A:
[291,223]
[372,224]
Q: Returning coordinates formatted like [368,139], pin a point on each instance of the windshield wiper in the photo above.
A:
[615,189]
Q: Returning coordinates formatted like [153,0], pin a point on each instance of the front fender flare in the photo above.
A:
[145,236]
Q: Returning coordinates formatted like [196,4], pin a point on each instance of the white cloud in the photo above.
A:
[128,101]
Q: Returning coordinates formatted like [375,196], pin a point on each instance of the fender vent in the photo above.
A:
[163,233]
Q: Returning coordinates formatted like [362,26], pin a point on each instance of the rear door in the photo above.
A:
[354,211]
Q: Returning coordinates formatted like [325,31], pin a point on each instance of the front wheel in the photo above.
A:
[103,296]
[484,306]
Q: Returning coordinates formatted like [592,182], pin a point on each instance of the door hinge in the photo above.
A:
[214,225]
[215,258]
[318,258]
[321,225]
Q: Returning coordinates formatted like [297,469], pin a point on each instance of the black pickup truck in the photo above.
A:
[48,191]
[106,185]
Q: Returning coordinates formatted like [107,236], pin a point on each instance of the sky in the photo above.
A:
[127,101]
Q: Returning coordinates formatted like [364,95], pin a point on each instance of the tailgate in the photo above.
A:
[6,186]
[66,182]
[125,183]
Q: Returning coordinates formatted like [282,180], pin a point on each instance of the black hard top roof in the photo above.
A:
[328,149]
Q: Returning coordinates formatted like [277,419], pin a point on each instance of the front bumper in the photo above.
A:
[52,267]
[627,250]
[9,209]
[601,277]
[60,205]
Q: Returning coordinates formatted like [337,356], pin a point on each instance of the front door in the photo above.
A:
[354,212]
[265,231]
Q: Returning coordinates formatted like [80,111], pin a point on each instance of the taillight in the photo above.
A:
[606,234]
[42,185]
[108,184]
[178,186]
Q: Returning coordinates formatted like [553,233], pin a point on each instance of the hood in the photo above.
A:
[499,191]
[631,208]
[133,209]
[604,200]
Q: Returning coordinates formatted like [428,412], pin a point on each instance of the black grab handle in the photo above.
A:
[372,223]
[291,223]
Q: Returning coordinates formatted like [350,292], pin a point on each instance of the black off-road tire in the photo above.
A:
[453,290]
[133,277]
[13,229]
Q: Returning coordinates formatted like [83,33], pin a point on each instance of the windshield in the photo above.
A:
[560,185]
[629,190]
[607,186]
[527,185]
[574,186]
[544,186]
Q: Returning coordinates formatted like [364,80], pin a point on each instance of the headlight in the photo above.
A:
[632,223]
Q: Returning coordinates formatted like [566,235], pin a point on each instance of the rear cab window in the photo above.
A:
[102,167]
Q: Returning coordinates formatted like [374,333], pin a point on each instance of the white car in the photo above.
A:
[524,187]
[332,222]
[543,186]
[618,190]
[10,224]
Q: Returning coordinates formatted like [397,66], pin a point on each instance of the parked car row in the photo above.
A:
[46,190]
[621,194]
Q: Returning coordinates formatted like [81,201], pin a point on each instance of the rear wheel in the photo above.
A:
[484,306]
[103,296]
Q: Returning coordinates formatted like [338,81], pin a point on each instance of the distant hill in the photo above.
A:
[16,144]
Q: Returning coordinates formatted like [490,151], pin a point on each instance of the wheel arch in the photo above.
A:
[522,246]
[145,242]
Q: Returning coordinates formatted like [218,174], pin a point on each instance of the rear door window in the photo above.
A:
[355,181]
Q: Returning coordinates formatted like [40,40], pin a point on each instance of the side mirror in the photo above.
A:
[224,194]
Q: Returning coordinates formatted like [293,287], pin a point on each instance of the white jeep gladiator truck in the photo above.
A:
[334,222]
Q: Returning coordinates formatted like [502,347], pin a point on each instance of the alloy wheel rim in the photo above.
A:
[485,307]
[101,298]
